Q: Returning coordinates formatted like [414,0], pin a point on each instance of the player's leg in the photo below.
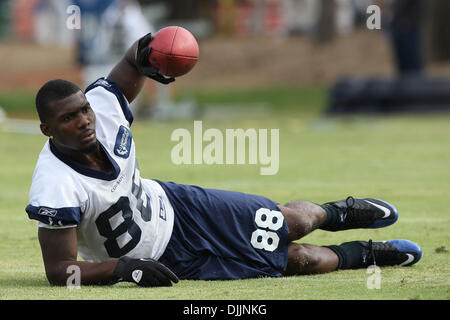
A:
[310,259]
[302,217]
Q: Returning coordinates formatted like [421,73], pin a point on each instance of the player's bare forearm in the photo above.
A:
[90,273]
[59,251]
[126,75]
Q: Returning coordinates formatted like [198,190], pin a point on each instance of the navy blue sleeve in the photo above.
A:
[55,217]
[112,87]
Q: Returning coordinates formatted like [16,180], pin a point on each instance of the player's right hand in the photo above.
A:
[144,272]
[142,63]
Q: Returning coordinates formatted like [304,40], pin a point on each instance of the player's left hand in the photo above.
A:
[142,63]
[144,272]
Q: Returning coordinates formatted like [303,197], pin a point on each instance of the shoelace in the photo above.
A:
[349,210]
[371,251]
[350,202]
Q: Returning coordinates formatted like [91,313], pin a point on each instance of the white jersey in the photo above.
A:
[116,213]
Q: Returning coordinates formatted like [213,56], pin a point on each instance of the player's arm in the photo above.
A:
[59,251]
[132,70]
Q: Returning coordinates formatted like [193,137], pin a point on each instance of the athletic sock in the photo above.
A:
[349,254]
[333,217]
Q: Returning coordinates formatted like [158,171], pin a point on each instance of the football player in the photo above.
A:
[90,200]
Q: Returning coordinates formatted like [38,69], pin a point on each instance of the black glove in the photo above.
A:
[142,63]
[144,272]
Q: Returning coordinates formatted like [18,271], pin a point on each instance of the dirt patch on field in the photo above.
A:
[28,66]
[294,61]
[227,62]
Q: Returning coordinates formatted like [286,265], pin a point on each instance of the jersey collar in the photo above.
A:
[108,176]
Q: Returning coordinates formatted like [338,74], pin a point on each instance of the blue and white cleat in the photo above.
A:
[362,213]
[398,252]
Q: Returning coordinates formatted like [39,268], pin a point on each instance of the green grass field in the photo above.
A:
[404,159]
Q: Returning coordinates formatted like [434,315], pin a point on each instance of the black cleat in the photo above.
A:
[398,252]
[362,213]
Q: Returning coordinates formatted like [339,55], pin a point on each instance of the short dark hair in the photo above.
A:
[53,90]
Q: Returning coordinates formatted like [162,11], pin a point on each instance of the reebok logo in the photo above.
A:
[47,212]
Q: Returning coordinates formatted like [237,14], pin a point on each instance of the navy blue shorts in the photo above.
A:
[220,235]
